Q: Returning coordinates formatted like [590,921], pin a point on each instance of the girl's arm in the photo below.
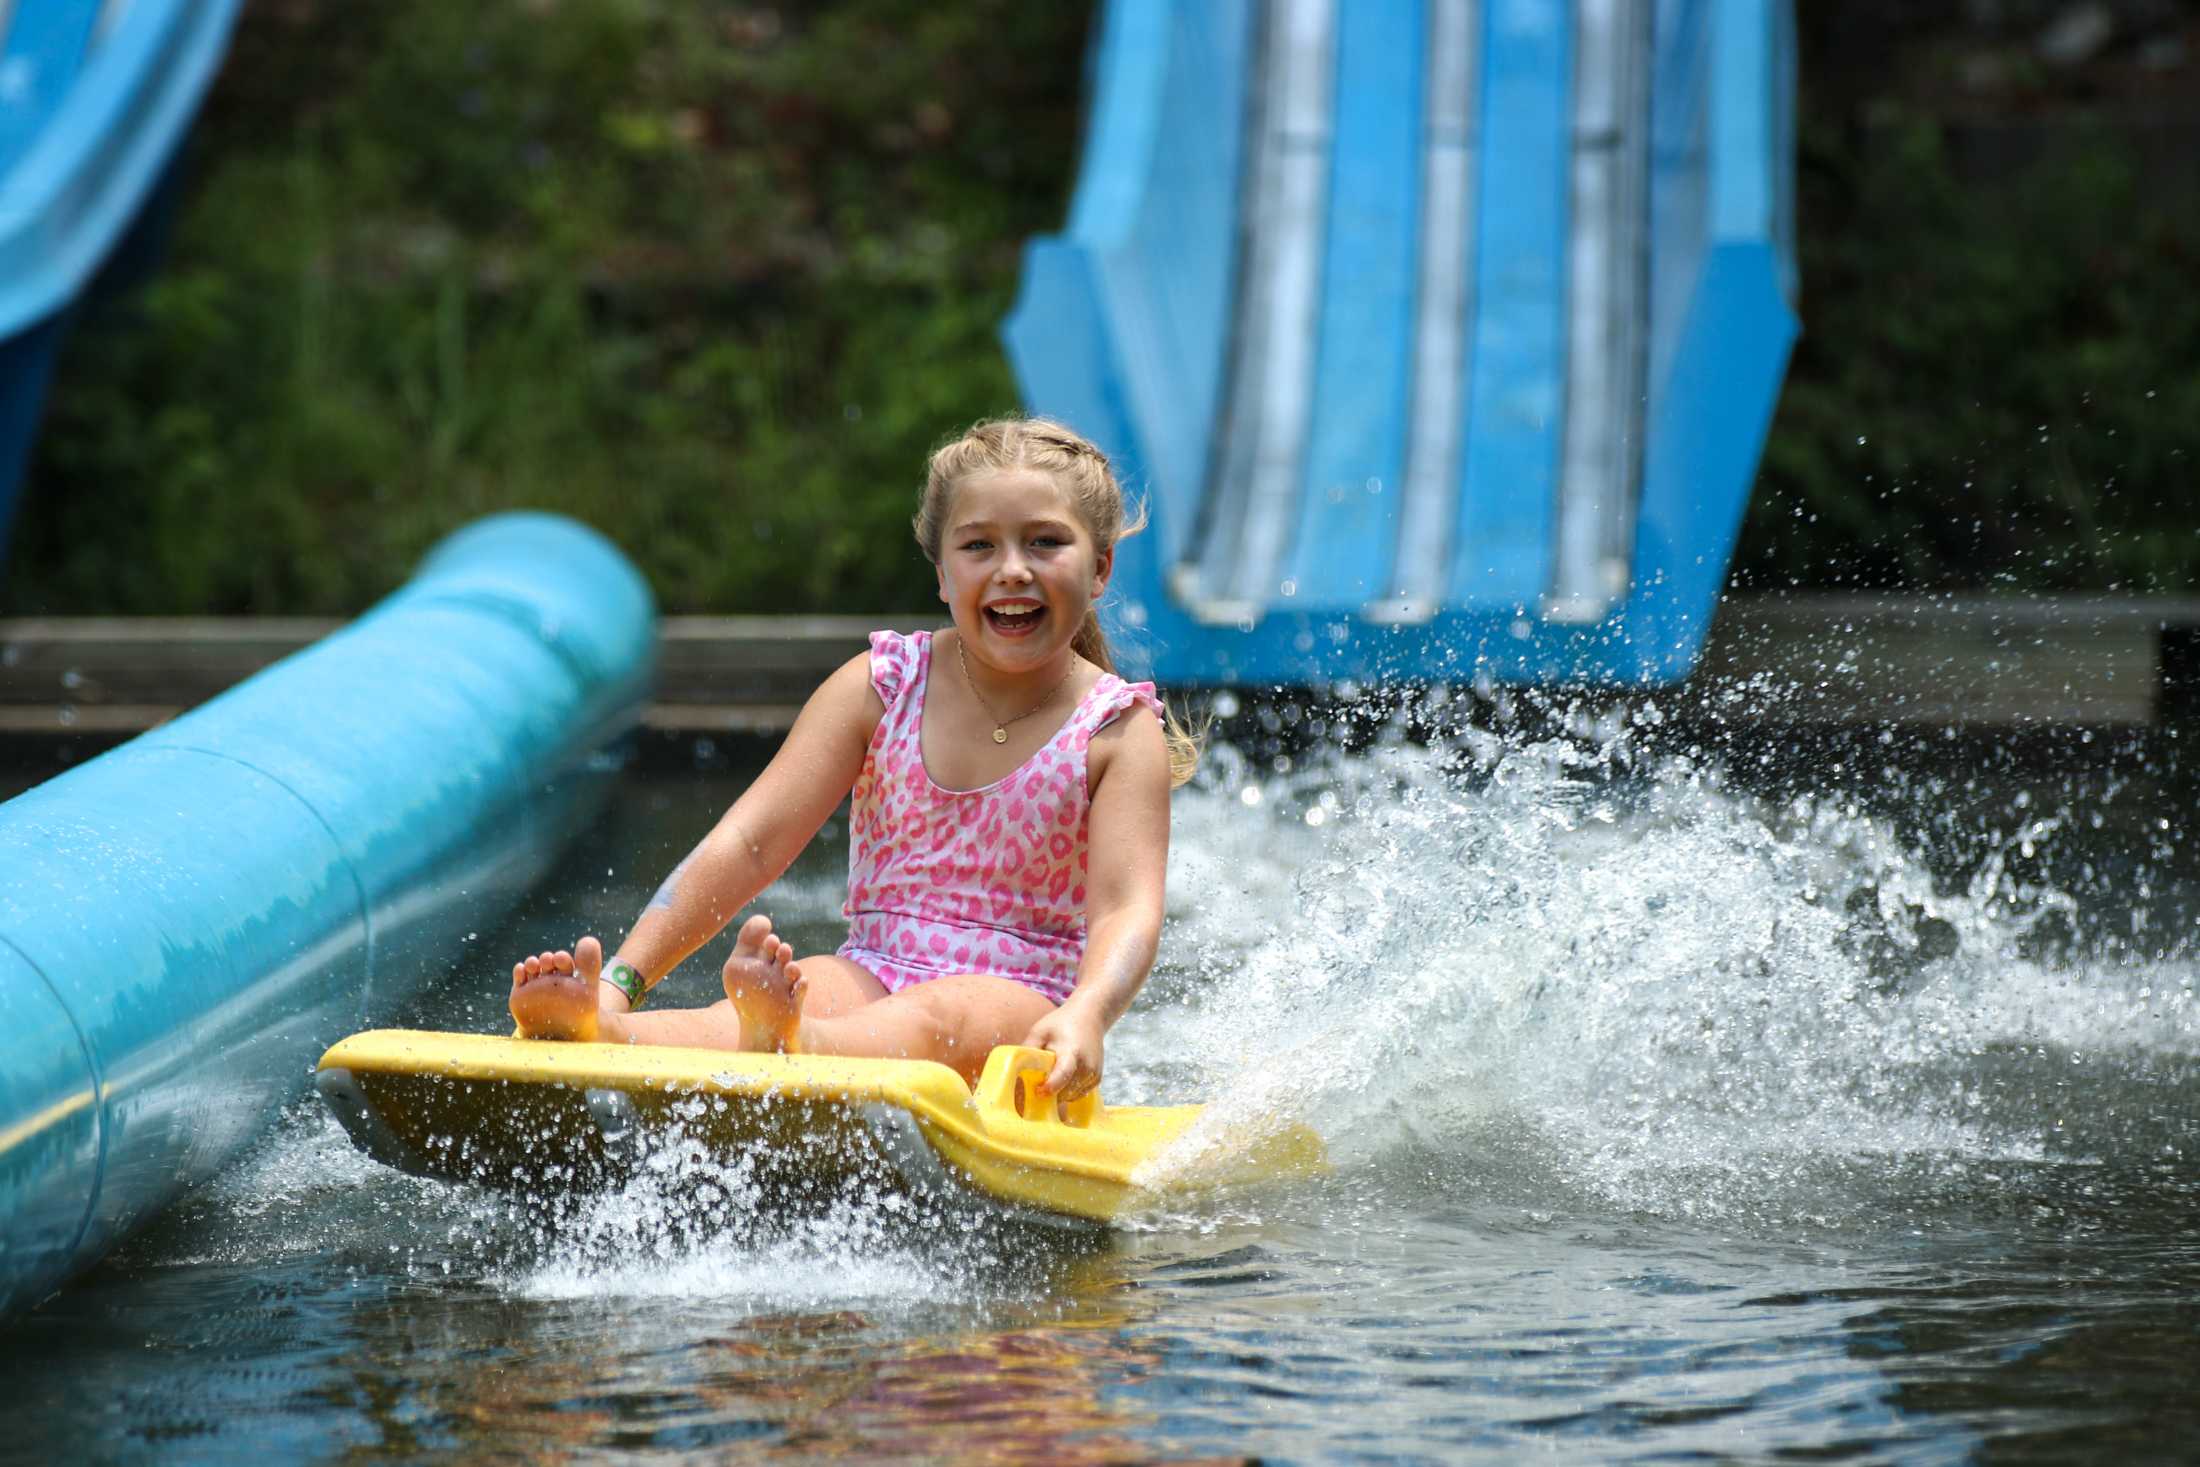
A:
[1128,845]
[759,837]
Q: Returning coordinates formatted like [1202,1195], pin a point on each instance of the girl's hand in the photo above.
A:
[1073,1035]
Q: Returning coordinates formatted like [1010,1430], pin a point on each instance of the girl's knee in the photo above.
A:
[999,1012]
[832,986]
[941,1019]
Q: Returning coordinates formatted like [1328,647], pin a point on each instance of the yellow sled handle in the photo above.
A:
[1010,1087]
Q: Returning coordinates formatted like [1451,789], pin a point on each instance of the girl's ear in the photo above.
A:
[1103,566]
[939,573]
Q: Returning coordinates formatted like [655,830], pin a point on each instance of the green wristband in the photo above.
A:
[628,980]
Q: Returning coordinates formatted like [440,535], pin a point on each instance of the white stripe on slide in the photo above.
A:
[1256,493]
[1436,410]
[1607,296]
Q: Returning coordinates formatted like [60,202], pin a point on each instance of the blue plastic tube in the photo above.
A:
[189,920]
[99,99]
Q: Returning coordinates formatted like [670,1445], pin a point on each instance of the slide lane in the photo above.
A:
[1343,536]
[1501,530]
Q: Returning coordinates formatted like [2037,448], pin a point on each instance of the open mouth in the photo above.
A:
[1015,618]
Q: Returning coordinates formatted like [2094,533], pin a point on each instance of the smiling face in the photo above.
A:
[1018,569]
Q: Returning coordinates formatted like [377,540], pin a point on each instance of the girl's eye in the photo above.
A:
[977,545]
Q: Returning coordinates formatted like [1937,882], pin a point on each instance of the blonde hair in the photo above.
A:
[1086,477]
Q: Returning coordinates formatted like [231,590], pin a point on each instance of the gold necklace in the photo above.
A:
[1000,724]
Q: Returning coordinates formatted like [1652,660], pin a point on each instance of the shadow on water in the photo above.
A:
[1689,1091]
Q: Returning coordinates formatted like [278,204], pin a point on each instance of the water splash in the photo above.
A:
[701,1230]
[1559,963]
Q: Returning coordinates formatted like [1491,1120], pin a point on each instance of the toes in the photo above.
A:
[587,960]
[754,934]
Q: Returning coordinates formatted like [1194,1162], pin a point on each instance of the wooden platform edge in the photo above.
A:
[1975,661]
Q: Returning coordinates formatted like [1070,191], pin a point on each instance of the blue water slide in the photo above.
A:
[95,96]
[188,921]
[1441,336]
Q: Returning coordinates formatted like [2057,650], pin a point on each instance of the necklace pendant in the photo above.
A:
[1000,734]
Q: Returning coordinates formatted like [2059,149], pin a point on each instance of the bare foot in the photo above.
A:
[554,994]
[764,984]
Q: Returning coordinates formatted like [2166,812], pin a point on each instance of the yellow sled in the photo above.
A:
[533,1114]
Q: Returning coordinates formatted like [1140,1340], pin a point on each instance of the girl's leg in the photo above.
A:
[956,1021]
[833,985]
[830,1005]
[821,985]
[822,1005]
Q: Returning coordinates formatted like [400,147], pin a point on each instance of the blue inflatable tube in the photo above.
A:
[186,922]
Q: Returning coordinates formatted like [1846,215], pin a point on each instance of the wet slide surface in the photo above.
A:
[1442,335]
[1665,1125]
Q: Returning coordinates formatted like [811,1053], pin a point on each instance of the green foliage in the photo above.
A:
[1995,386]
[710,277]
[715,277]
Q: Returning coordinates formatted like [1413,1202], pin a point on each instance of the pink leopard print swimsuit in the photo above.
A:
[987,880]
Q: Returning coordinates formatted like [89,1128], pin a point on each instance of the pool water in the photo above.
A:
[1834,1105]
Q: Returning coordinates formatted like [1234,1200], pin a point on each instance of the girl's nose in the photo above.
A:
[1013,571]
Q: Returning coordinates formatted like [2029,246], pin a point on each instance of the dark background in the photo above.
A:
[715,277]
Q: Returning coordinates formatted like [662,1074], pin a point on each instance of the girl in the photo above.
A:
[1009,820]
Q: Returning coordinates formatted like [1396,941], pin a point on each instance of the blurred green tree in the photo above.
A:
[712,277]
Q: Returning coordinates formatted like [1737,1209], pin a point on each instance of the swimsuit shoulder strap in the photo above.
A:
[1110,699]
[895,663]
